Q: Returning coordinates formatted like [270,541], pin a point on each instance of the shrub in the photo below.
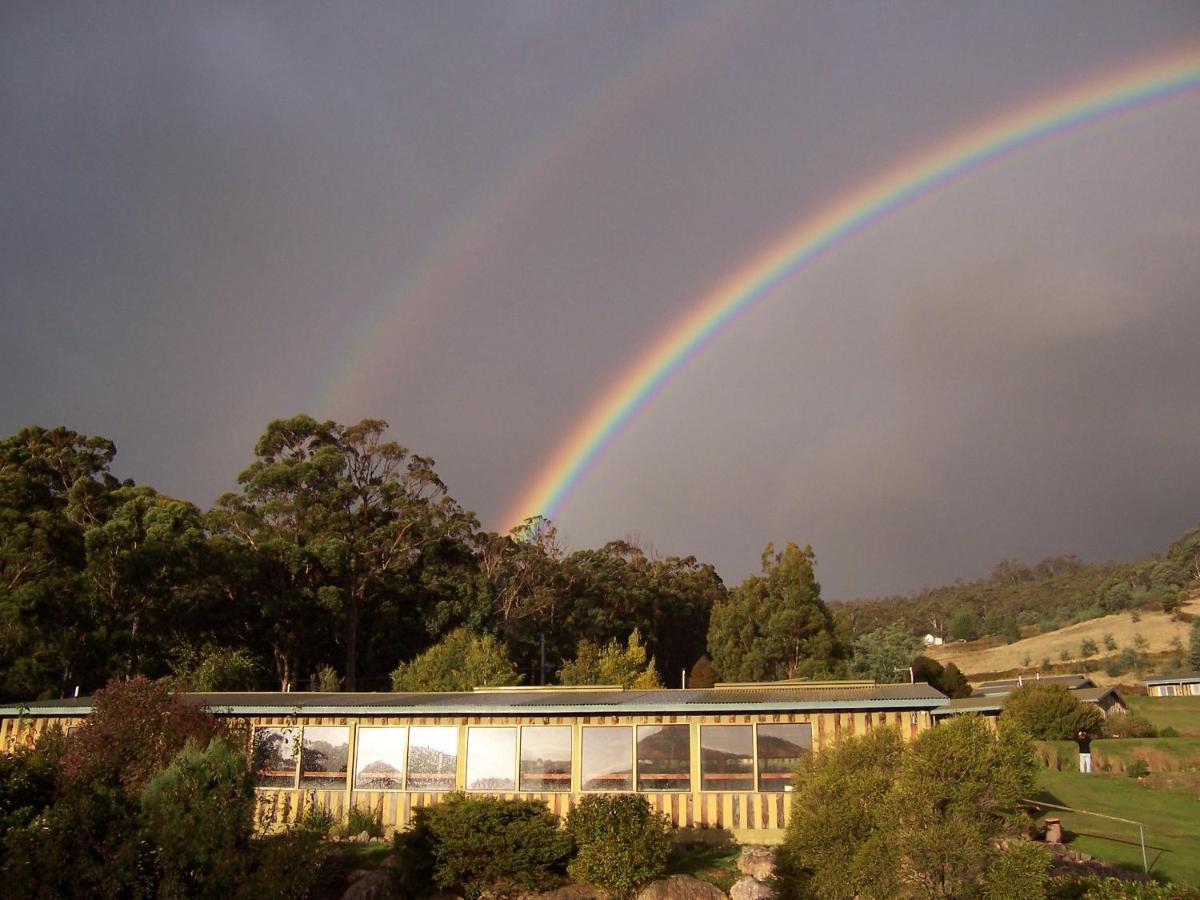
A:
[1020,870]
[316,819]
[27,778]
[1129,725]
[477,844]
[622,843]
[198,812]
[1050,712]
[288,866]
[1168,732]
[1094,887]
[360,820]
[1139,768]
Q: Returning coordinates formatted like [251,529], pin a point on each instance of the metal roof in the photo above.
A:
[960,705]
[1072,682]
[1181,678]
[549,701]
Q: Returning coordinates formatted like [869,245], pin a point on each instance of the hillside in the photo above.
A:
[992,655]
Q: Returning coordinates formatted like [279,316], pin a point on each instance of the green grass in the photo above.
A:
[1180,713]
[1171,817]
[715,863]
[1161,754]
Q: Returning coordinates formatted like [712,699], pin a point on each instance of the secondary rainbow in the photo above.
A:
[868,202]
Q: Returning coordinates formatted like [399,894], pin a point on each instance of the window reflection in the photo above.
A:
[275,756]
[607,763]
[380,759]
[780,748]
[491,759]
[325,757]
[664,758]
[546,758]
[726,758]
[432,758]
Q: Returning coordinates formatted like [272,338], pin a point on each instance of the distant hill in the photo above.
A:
[1017,599]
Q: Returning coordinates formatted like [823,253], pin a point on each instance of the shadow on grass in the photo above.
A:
[710,856]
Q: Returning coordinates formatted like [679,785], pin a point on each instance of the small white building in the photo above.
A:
[932,640]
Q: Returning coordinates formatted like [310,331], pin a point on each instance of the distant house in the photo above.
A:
[1186,684]
[932,640]
[988,698]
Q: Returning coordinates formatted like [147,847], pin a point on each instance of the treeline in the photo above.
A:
[1055,592]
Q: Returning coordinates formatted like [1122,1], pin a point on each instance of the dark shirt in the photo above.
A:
[1085,744]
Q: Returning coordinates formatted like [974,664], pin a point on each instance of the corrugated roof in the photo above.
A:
[549,701]
[1181,678]
[970,705]
[1072,682]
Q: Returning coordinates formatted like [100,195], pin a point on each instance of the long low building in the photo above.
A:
[708,758]
[1183,684]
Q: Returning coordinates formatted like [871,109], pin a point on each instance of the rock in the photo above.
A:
[1054,831]
[757,862]
[681,887]
[364,837]
[569,892]
[377,885]
[748,888]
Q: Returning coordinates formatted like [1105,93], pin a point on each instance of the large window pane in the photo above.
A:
[664,758]
[380,759]
[276,753]
[608,759]
[432,758]
[325,759]
[491,759]
[726,758]
[779,750]
[546,758]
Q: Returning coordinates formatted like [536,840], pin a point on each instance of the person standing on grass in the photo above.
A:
[1084,740]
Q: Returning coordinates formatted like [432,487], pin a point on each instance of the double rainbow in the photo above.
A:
[870,201]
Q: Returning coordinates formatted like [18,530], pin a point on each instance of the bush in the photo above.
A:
[622,843]
[1094,887]
[1129,725]
[1169,731]
[27,779]
[477,844]
[1019,871]
[1051,712]
[317,820]
[198,812]
[360,820]
[1139,768]
[288,866]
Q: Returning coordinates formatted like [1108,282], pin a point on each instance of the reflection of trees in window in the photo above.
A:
[491,759]
[432,758]
[325,757]
[780,748]
[664,758]
[726,758]
[380,759]
[608,759]
[546,758]
[275,756]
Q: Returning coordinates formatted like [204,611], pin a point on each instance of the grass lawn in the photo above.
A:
[1180,713]
[1171,816]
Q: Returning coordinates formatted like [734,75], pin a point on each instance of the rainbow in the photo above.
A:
[849,214]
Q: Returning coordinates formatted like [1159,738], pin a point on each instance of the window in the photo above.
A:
[432,758]
[726,758]
[491,759]
[779,750]
[664,758]
[607,763]
[380,759]
[276,755]
[325,757]
[546,758]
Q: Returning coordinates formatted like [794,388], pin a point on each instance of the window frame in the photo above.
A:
[632,789]
[637,764]
[787,788]
[458,757]
[358,730]
[570,779]
[298,750]
[516,760]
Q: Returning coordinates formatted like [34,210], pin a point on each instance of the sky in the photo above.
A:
[469,219]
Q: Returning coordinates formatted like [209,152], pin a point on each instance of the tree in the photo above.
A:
[626,665]
[1050,712]
[875,818]
[963,626]
[1011,631]
[344,519]
[774,625]
[1088,648]
[949,680]
[702,675]
[460,662]
[884,654]
[1194,646]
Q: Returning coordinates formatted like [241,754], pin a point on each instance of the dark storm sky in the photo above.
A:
[469,218]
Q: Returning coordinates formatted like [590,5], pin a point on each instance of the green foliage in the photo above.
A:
[1139,768]
[703,675]
[359,820]
[1011,631]
[212,669]
[1110,642]
[1194,646]
[1088,648]
[27,781]
[1129,725]
[317,819]
[478,844]
[460,662]
[294,865]
[1019,871]
[613,664]
[1051,712]
[876,818]
[963,626]
[198,813]
[328,681]
[774,625]
[949,680]
[621,842]
[880,653]
[1096,887]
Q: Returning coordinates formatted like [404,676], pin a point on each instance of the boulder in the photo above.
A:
[757,862]
[569,892]
[747,888]
[681,887]
[377,885]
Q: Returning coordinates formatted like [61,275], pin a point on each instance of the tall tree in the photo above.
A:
[774,625]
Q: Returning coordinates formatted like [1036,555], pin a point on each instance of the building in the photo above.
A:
[1186,684]
[708,758]
[1008,685]
[988,698]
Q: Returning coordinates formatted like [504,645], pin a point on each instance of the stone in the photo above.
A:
[1054,831]
[569,892]
[364,837]
[377,885]
[757,862]
[747,888]
[681,887]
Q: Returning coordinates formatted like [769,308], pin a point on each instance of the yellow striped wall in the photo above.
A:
[751,816]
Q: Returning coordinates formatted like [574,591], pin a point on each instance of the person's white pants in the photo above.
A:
[1085,763]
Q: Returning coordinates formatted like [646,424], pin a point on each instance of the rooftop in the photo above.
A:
[1181,677]
[1071,682]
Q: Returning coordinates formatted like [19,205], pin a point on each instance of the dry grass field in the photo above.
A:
[987,656]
